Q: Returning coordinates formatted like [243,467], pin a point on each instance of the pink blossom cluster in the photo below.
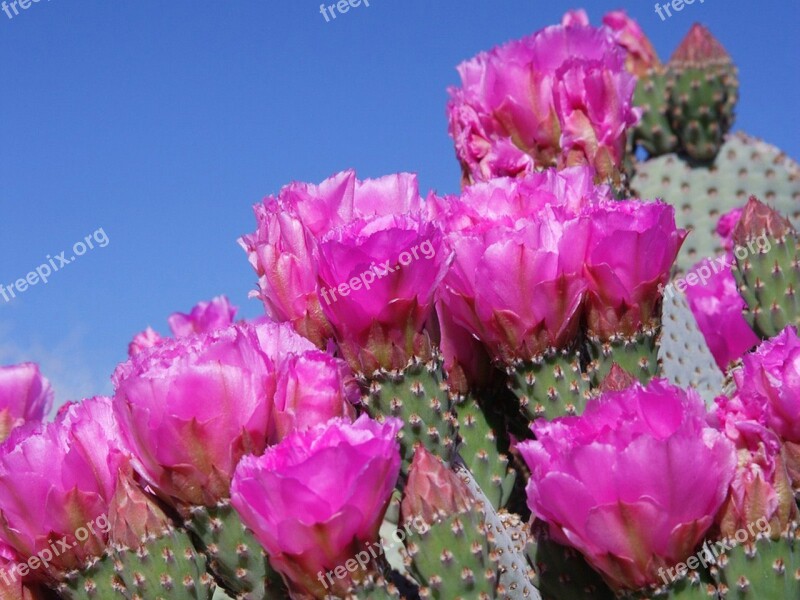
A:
[270,416]
[561,97]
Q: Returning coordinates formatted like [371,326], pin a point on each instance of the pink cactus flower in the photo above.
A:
[56,480]
[312,388]
[769,383]
[768,388]
[559,98]
[717,307]
[524,237]
[353,260]
[203,318]
[575,17]
[634,483]
[144,340]
[760,500]
[284,255]
[631,248]
[318,498]
[726,225]
[12,586]
[627,33]
[190,408]
[25,395]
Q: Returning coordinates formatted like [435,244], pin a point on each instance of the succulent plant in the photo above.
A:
[490,395]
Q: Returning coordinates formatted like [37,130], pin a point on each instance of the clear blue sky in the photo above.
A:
[163,122]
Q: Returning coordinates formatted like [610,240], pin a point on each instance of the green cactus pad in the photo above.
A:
[550,386]
[763,570]
[508,538]
[419,396]
[235,557]
[685,358]
[744,166]
[376,588]
[638,355]
[769,282]
[479,452]
[163,568]
[452,558]
[702,101]
[654,132]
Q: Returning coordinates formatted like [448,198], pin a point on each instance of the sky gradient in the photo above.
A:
[161,123]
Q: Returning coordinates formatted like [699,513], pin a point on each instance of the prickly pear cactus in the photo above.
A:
[419,396]
[451,558]
[764,569]
[743,167]
[508,541]
[653,132]
[235,557]
[163,568]
[769,282]
[478,450]
[551,385]
[685,358]
[703,88]
[638,355]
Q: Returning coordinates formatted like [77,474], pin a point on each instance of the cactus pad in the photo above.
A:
[744,166]
[479,452]
[769,282]
[764,569]
[654,132]
[685,358]
[551,385]
[638,355]
[163,568]
[419,396]
[235,557]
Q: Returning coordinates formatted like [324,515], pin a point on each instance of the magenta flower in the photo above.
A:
[204,318]
[312,388]
[634,483]
[144,340]
[561,97]
[56,480]
[760,499]
[25,395]
[284,255]
[727,225]
[769,384]
[12,586]
[190,408]
[627,33]
[717,307]
[354,260]
[317,498]
[631,248]
[522,235]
